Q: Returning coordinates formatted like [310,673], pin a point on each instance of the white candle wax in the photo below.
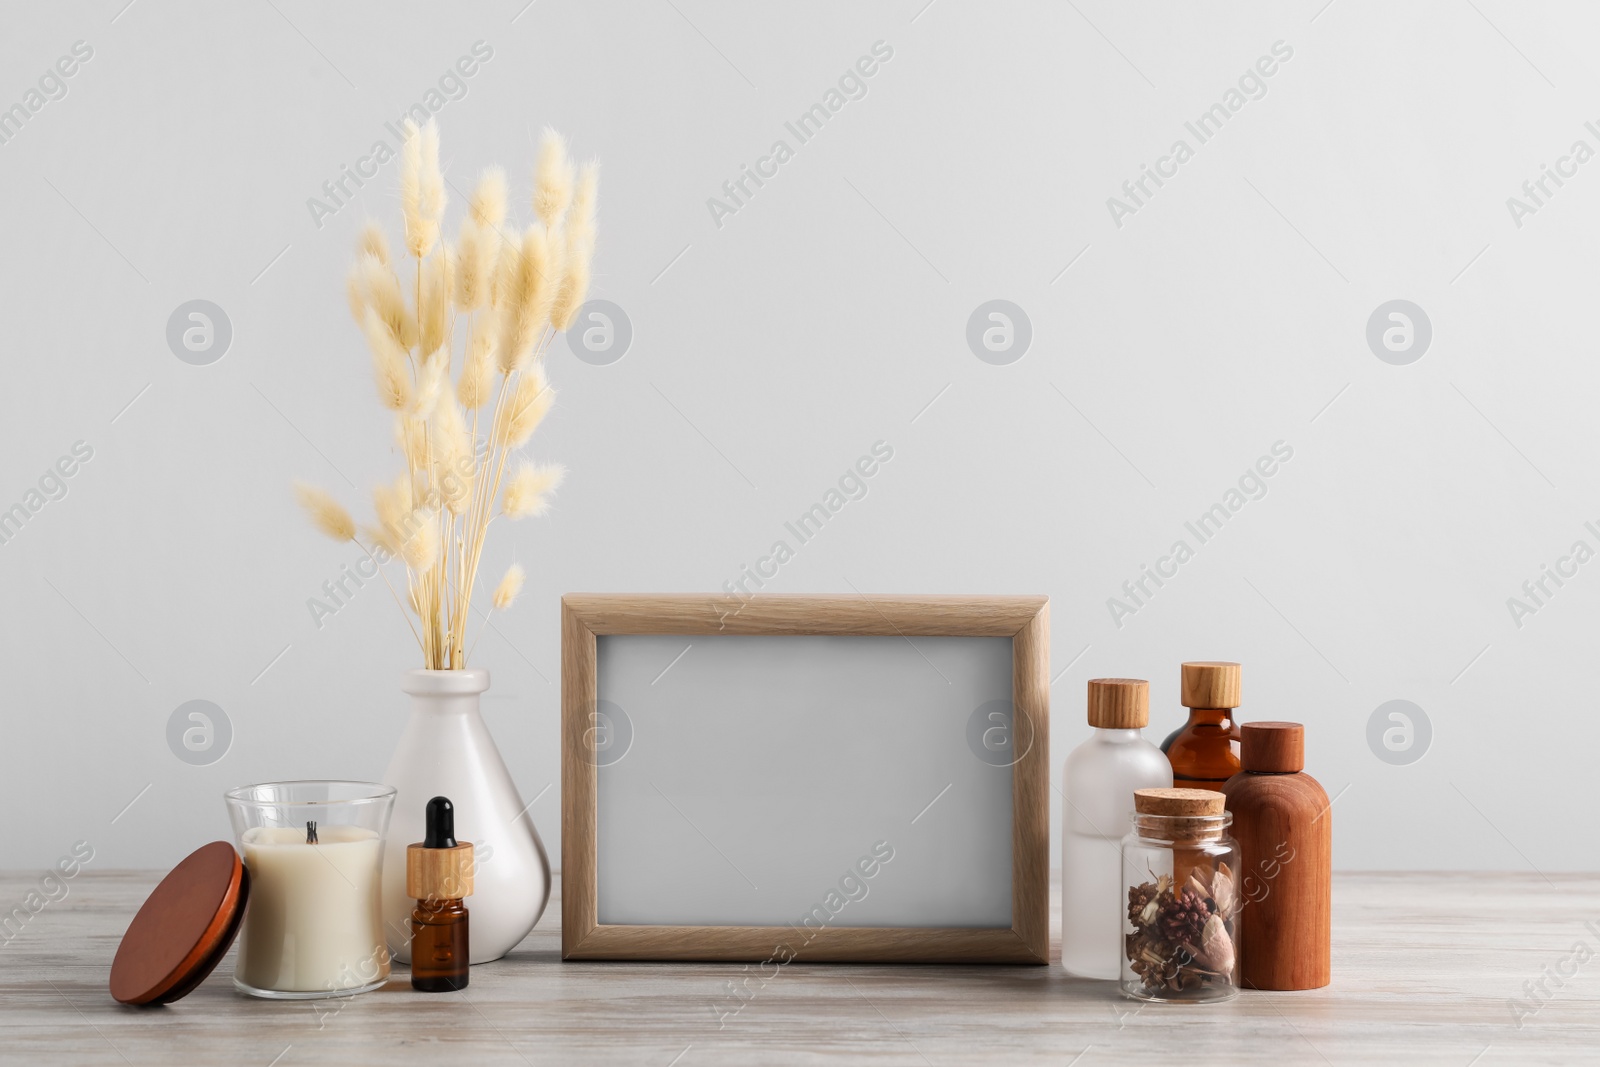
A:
[313,920]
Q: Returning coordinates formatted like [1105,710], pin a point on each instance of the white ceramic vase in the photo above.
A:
[446,751]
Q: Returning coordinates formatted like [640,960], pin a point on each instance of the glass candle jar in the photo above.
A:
[313,922]
[1180,869]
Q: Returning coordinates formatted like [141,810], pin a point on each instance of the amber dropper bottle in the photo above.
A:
[1204,752]
[439,877]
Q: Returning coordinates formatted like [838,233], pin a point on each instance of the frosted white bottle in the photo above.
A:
[1097,791]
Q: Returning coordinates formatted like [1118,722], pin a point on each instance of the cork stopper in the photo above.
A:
[1272,747]
[1119,703]
[1196,802]
[1182,816]
[1210,684]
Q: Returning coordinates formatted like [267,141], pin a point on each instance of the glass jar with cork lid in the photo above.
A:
[1180,868]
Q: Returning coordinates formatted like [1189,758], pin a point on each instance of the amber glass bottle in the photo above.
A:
[439,962]
[1204,752]
[438,877]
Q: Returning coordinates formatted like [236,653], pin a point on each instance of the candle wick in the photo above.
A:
[311,833]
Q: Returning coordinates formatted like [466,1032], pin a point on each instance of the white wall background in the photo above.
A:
[1229,313]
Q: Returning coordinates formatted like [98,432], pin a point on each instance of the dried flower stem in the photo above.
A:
[390,586]
[437,517]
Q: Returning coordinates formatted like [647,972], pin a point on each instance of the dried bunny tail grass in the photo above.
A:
[420,549]
[421,188]
[477,384]
[392,505]
[528,492]
[505,594]
[491,243]
[574,287]
[488,206]
[388,364]
[434,315]
[536,315]
[433,195]
[452,455]
[455,489]
[373,243]
[356,293]
[411,434]
[326,513]
[552,179]
[556,271]
[405,530]
[526,301]
[505,269]
[431,377]
[435,516]
[383,295]
[579,249]
[469,287]
[475,264]
[521,414]
[411,189]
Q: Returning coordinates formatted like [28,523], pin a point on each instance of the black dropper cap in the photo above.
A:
[441,824]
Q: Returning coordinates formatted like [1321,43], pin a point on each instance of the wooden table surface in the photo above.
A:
[1425,969]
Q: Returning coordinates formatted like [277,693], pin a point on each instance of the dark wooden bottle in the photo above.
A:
[1285,833]
[1204,751]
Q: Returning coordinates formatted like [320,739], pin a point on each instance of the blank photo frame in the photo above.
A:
[854,778]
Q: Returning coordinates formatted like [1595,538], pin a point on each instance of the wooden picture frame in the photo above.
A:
[1023,619]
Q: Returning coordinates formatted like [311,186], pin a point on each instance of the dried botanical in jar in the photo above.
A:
[1183,898]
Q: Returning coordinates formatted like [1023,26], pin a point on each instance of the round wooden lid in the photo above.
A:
[1178,801]
[1119,703]
[184,928]
[1210,684]
[1272,747]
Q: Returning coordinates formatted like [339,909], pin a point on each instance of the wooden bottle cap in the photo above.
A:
[1190,802]
[1272,747]
[184,928]
[1210,684]
[439,873]
[1119,703]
